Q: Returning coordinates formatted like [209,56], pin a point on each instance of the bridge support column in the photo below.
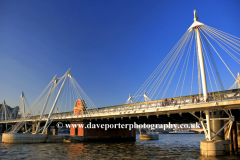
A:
[238,136]
[235,141]
[47,131]
[215,145]
[1,128]
[216,125]
[76,128]
[208,124]
[214,148]
[229,136]
[226,130]
[24,128]
[234,138]
[34,127]
[55,130]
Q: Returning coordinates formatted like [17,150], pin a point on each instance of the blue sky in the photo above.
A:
[111,46]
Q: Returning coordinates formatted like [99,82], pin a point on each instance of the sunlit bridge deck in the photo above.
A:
[224,100]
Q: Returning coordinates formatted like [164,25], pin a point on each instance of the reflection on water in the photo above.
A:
[169,146]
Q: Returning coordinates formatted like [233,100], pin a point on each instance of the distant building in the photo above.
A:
[11,113]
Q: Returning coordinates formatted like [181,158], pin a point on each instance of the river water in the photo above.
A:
[169,146]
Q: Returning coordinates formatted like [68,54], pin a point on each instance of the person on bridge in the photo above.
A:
[175,102]
[166,101]
[172,101]
[209,96]
[198,100]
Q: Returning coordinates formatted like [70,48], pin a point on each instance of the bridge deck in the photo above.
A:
[144,109]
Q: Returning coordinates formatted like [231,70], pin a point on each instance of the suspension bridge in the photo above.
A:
[192,62]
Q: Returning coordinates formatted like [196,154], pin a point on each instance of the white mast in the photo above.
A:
[196,26]
[146,97]
[5,112]
[24,116]
[130,99]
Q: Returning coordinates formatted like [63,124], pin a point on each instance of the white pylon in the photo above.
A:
[195,26]
[5,111]
[146,97]
[24,112]
[130,99]
[22,97]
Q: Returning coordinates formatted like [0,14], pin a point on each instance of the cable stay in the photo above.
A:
[213,62]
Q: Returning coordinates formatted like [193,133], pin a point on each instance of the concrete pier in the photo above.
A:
[19,138]
[23,138]
[214,148]
[217,146]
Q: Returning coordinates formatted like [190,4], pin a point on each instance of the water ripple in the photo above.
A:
[168,146]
